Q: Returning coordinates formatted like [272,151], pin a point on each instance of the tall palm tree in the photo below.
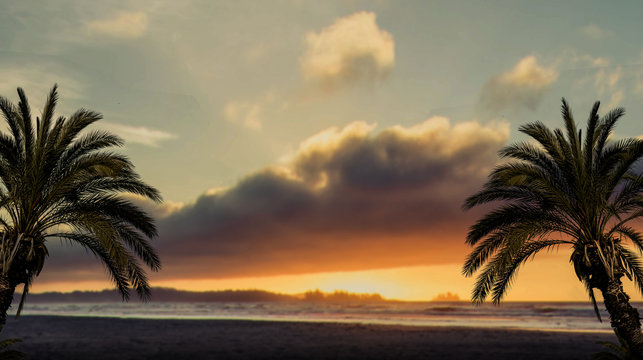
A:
[565,191]
[57,183]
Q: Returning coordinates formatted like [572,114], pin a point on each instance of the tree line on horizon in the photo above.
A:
[174,295]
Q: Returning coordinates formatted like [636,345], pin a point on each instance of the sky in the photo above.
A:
[302,145]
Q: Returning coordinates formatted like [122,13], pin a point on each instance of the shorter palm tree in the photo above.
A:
[57,182]
[566,191]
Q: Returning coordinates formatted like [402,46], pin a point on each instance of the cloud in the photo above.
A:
[125,25]
[638,87]
[521,87]
[616,99]
[351,198]
[351,50]
[250,114]
[594,32]
[155,210]
[607,79]
[137,134]
[638,77]
[37,79]
[246,113]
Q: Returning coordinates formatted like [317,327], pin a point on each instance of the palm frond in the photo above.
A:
[26,127]
[592,135]
[572,133]
[632,265]
[115,269]
[545,137]
[509,271]
[606,126]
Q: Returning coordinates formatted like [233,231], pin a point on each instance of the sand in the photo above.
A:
[52,337]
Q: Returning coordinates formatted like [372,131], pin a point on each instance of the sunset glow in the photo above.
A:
[421,283]
[303,146]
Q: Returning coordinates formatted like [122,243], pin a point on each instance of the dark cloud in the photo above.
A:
[350,199]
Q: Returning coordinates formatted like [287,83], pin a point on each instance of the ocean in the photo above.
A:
[550,316]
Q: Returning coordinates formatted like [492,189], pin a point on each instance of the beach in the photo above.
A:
[76,337]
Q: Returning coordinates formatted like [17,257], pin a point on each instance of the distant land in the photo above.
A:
[159,295]
[174,295]
[447,297]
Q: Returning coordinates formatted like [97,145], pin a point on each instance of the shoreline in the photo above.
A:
[80,337]
[315,321]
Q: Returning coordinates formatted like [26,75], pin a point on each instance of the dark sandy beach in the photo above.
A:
[51,337]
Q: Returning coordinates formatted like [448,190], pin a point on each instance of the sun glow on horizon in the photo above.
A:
[546,279]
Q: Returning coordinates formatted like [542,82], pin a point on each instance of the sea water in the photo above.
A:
[556,316]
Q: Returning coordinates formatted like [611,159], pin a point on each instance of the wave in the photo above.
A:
[527,315]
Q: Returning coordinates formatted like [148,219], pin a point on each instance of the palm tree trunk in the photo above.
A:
[624,318]
[6,297]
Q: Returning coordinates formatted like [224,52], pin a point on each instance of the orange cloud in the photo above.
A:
[349,199]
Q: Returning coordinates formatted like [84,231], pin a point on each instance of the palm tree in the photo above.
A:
[59,183]
[566,191]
